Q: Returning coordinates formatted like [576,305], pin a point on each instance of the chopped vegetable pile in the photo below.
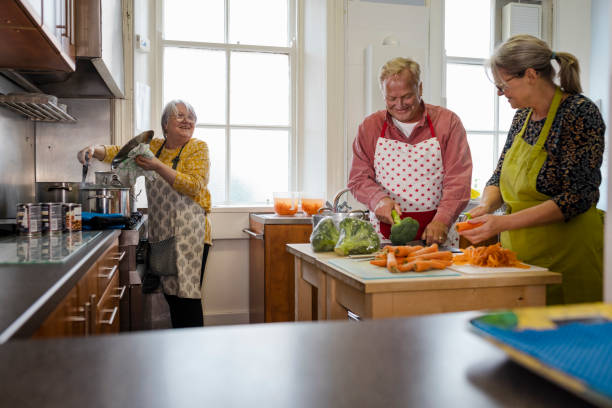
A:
[492,255]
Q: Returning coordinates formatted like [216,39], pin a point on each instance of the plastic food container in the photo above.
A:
[286,203]
[311,202]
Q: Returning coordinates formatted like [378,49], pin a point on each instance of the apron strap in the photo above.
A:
[550,117]
[176,159]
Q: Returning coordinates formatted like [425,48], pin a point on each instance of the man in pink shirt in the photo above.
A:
[412,157]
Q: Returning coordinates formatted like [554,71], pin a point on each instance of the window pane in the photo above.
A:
[483,161]
[467,28]
[501,142]
[184,78]
[259,164]
[259,89]
[258,23]
[506,113]
[468,94]
[194,20]
[215,139]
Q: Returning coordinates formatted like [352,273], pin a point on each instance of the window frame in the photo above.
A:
[292,54]
[496,132]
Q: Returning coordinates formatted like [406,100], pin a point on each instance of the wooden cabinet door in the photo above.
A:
[66,320]
[279,269]
[29,40]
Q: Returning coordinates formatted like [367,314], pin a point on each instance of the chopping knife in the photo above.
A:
[440,247]
[144,137]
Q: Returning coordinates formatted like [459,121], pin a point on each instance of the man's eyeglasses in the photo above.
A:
[501,88]
[182,118]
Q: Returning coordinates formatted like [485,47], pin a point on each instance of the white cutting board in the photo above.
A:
[480,270]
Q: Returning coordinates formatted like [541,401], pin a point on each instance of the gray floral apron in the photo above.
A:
[172,214]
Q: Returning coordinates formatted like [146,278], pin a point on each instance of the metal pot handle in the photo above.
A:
[99,196]
[66,188]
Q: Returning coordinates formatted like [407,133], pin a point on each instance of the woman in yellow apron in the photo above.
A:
[548,175]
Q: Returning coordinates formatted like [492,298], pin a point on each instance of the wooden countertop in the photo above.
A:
[305,252]
[29,292]
[428,361]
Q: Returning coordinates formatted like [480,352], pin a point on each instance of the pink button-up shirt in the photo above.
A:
[456,159]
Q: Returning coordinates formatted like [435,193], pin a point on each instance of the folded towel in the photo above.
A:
[98,221]
[129,170]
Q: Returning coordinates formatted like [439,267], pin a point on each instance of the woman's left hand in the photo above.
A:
[148,163]
[491,226]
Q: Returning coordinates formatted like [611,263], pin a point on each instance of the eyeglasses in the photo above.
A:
[182,118]
[501,88]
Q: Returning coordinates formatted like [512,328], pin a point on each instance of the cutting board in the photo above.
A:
[481,270]
[363,269]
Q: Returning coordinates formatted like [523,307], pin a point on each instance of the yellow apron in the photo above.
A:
[573,248]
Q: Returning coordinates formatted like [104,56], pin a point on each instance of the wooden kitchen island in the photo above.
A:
[325,292]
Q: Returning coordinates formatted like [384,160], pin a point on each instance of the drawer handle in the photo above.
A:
[122,291]
[113,315]
[118,256]
[253,234]
[109,275]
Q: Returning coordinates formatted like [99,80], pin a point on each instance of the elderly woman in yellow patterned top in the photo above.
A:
[179,203]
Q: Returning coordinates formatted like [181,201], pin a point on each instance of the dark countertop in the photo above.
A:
[29,292]
[427,361]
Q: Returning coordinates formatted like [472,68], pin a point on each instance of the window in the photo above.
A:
[469,93]
[233,61]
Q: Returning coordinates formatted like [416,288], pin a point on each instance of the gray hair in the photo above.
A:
[396,66]
[171,109]
[523,51]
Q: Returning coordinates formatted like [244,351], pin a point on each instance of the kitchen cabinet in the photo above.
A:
[37,35]
[92,306]
[271,276]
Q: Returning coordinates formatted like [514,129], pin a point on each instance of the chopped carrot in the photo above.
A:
[406,250]
[406,267]
[426,250]
[442,255]
[465,225]
[492,255]
[379,262]
[391,262]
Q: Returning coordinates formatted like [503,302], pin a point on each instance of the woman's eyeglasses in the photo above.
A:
[182,118]
[501,88]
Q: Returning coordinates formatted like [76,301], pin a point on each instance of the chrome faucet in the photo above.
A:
[337,198]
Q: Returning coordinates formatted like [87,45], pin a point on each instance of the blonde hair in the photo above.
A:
[523,51]
[397,65]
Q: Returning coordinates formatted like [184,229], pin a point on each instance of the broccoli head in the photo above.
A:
[324,236]
[403,231]
[356,237]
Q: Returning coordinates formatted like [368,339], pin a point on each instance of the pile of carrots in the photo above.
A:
[492,255]
[406,258]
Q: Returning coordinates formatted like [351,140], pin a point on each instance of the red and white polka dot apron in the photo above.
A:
[412,176]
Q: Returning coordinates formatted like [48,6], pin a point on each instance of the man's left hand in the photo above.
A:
[435,233]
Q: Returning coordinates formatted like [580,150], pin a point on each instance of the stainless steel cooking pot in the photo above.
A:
[106,199]
[58,192]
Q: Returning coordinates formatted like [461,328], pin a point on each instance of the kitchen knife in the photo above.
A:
[144,137]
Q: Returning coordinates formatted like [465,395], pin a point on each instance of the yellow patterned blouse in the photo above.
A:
[193,171]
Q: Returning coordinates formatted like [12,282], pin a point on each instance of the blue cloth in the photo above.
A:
[581,350]
[92,220]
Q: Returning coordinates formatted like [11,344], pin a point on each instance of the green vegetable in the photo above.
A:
[356,237]
[324,236]
[403,231]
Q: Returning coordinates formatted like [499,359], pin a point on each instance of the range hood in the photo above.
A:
[91,79]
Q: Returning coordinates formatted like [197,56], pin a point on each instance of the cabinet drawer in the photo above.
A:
[107,268]
[107,309]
